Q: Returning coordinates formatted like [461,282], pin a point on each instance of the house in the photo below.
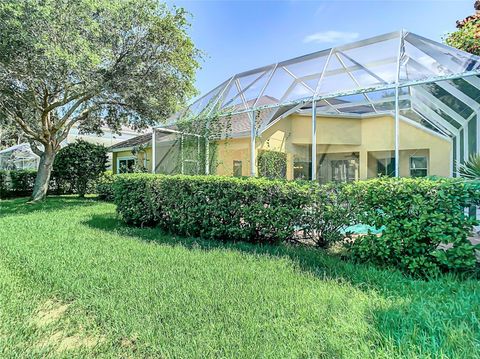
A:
[397,104]
[21,157]
[134,152]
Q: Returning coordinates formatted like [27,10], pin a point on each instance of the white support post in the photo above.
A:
[457,159]
[154,157]
[182,155]
[314,140]
[198,155]
[253,156]
[207,156]
[452,161]
[397,135]
[397,110]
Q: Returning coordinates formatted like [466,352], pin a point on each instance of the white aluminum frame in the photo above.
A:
[420,100]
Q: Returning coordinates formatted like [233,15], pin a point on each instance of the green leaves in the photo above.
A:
[471,168]
[426,227]
[78,165]
[466,38]
[223,208]
[423,221]
[133,59]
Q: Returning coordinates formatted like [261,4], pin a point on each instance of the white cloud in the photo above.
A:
[331,36]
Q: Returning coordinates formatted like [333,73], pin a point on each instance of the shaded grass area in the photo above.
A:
[124,291]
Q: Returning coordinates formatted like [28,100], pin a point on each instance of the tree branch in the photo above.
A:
[72,109]
[82,116]
[34,148]
[27,129]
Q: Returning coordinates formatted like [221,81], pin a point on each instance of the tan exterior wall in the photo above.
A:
[145,157]
[233,150]
[342,136]
[367,139]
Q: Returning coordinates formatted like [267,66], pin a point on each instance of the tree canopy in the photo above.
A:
[90,64]
[467,37]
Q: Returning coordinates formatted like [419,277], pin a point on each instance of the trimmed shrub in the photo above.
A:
[255,210]
[17,183]
[272,164]
[424,223]
[330,211]
[419,217]
[78,165]
[3,184]
[104,186]
[21,182]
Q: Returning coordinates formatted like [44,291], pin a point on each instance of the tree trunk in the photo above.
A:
[43,175]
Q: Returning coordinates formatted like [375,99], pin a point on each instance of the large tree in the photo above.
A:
[90,63]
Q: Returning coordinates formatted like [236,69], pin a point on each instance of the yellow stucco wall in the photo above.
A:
[362,136]
[368,139]
[145,158]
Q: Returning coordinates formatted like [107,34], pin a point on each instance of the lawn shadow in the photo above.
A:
[399,304]
[321,263]
[19,206]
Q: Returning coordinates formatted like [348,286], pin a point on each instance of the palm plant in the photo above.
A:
[471,168]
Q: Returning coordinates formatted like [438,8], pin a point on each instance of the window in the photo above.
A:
[386,167]
[237,168]
[343,170]
[125,164]
[418,166]
[302,170]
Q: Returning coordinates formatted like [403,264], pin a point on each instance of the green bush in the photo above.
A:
[17,183]
[419,217]
[424,223]
[78,165]
[272,164]
[104,186]
[330,211]
[23,181]
[225,208]
[3,184]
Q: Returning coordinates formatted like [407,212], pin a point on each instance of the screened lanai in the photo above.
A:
[397,104]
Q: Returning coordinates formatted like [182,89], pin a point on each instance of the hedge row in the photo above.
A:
[256,210]
[416,215]
[17,183]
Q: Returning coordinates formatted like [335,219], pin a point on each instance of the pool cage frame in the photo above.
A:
[447,64]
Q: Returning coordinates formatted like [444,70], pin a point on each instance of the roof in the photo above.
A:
[132,142]
[22,147]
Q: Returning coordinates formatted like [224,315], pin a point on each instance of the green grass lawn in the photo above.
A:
[76,282]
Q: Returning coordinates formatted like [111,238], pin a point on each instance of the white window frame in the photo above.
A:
[410,165]
[124,158]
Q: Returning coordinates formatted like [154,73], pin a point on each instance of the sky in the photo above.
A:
[236,36]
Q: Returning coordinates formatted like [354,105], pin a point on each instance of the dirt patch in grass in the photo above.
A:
[54,311]
[129,342]
[49,312]
[62,341]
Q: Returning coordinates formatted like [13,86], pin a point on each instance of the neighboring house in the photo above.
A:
[18,157]
[133,153]
[109,138]
[21,156]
